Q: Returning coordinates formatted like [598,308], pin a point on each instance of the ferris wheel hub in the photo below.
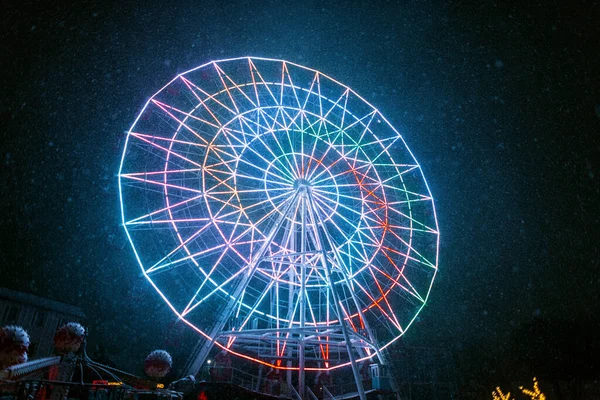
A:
[302,184]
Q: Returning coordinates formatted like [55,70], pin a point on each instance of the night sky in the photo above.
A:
[499,102]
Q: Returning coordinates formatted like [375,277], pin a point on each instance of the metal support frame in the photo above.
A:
[198,359]
[319,237]
[311,225]
[301,348]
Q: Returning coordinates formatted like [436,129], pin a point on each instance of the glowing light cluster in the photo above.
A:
[534,394]
[498,394]
[217,157]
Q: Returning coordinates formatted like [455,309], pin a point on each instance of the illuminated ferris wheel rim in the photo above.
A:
[223,129]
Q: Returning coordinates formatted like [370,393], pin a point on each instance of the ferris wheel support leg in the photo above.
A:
[380,355]
[343,268]
[301,347]
[201,354]
[320,240]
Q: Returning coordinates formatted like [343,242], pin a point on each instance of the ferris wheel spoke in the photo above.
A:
[222,205]
[219,151]
[362,215]
[292,124]
[164,185]
[177,262]
[161,265]
[286,127]
[193,88]
[359,123]
[250,228]
[255,73]
[253,308]
[283,175]
[254,124]
[163,172]
[367,128]
[373,243]
[219,183]
[402,202]
[168,151]
[217,289]
[325,170]
[208,278]
[421,259]
[287,185]
[344,97]
[171,206]
[421,198]
[356,263]
[165,106]
[378,147]
[167,221]
[390,142]
[180,122]
[358,250]
[375,304]
[282,196]
[319,183]
[369,185]
[408,288]
[292,147]
[165,139]
[407,193]
[321,159]
[182,245]
[285,171]
[248,191]
[372,240]
[283,84]
[411,229]
[415,221]
[401,169]
[326,193]
[222,75]
[317,126]
[311,176]
[345,111]
[254,225]
[233,135]
[229,240]
[390,313]
[283,153]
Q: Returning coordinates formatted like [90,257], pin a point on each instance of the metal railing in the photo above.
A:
[337,390]
[29,367]
[295,394]
[327,394]
[44,389]
[240,378]
[310,394]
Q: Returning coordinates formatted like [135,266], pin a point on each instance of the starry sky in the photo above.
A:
[499,101]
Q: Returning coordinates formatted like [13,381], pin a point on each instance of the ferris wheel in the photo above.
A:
[278,214]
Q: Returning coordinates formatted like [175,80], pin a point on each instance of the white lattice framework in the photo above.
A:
[279,214]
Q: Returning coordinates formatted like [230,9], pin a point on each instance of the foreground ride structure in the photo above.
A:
[280,215]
